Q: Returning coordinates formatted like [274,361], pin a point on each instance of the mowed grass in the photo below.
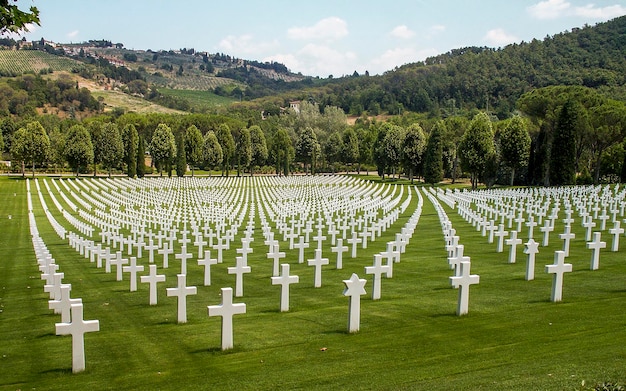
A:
[513,338]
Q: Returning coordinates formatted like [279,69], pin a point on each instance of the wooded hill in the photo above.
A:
[462,79]
[486,78]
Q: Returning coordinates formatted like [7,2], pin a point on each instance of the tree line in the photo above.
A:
[562,135]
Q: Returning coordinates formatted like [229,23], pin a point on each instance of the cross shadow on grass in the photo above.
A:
[65,371]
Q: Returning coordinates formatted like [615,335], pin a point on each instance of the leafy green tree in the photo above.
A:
[413,150]
[563,152]
[78,148]
[243,151]
[433,156]
[163,149]
[112,148]
[608,124]
[30,144]
[259,147]
[282,151]
[141,157]
[13,19]
[333,146]
[193,147]
[515,145]
[94,128]
[392,146]
[378,151]
[367,138]
[212,154]
[227,142]
[456,127]
[477,147]
[350,153]
[57,145]
[181,161]
[130,140]
[306,148]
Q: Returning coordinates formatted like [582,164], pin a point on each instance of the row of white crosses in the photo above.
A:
[182,290]
[602,203]
[462,279]
[71,310]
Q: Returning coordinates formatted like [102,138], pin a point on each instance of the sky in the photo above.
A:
[317,37]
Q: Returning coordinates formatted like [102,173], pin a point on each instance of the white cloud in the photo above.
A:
[552,9]
[29,28]
[402,32]
[399,56]
[331,28]
[318,60]
[605,13]
[499,37]
[438,28]
[549,9]
[72,34]
[245,44]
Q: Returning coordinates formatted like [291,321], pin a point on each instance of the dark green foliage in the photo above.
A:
[433,156]
[563,152]
[476,147]
[130,139]
[181,161]
[141,157]
[78,148]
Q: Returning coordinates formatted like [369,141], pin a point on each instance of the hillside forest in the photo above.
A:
[548,112]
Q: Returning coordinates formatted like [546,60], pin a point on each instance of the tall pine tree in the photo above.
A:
[433,156]
[563,152]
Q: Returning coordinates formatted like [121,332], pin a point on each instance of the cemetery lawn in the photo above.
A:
[513,338]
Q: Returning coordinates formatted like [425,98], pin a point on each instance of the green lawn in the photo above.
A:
[513,338]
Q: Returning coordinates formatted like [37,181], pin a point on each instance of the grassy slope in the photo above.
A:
[513,337]
[199,99]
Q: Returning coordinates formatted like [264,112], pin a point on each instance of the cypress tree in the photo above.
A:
[563,153]
[181,160]
[141,162]
[433,157]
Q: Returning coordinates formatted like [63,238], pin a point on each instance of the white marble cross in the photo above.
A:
[567,236]
[616,231]
[153,278]
[63,305]
[546,229]
[77,329]
[318,262]
[226,310]
[531,224]
[239,270]
[301,245]
[207,261]
[182,291]
[354,240]
[463,282]
[284,280]
[339,249]
[355,287]
[119,263]
[183,256]
[531,249]
[500,233]
[219,246]
[513,241]
[133,268]
[275,255]
[150,247]
[595,247]
[165,251]
[377,271]
[557,269]
[588,224]
[455,261]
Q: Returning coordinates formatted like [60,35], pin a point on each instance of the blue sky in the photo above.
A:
[318,37]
